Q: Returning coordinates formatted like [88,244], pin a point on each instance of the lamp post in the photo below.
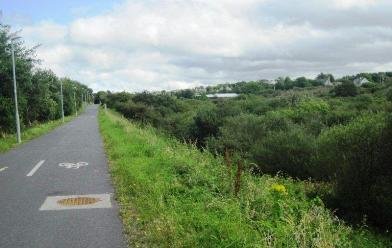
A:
[76,109]
[62,100]
[18,138]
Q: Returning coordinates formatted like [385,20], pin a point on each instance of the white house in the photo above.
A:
[222,95]
[360,81]
[327,82]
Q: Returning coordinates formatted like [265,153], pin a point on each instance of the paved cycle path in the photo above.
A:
[55,191]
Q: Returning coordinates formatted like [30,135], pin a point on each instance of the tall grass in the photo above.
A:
[173,195]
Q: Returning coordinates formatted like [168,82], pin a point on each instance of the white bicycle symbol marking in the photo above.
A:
[73,165]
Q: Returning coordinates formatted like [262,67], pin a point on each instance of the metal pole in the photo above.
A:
[76,109]
[62,100]
[15,95]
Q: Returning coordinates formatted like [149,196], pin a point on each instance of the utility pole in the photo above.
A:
[62,100]
[18,138]
[76,109]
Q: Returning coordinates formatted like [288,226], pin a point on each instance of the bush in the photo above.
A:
[206,124]
[172,195]
[358,157]
[345,89]
[241,133]
[238,133]
[389,95]
[287,151]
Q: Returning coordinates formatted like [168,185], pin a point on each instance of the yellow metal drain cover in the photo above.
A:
[77,201]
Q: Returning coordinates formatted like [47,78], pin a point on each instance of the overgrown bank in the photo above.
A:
[338,135]
[173,195]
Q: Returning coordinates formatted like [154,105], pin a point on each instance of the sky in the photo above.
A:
[136,45]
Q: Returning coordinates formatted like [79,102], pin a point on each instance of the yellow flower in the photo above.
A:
[280,188]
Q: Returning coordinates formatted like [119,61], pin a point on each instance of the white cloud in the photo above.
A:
[345,4]
[171,44]
[45,32]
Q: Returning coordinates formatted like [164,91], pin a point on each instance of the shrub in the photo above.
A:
[240,133]
[345,89]
[206,123]
[358,157]
[389,95]
[287,151]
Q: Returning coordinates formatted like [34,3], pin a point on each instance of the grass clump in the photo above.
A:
[174,195]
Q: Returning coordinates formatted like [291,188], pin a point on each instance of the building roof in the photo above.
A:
[222,95]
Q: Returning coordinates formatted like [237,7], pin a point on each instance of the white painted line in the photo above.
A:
[51,202]
[3,169]
[36,167]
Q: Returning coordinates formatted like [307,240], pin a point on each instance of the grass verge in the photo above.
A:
[8,141]
[173,195]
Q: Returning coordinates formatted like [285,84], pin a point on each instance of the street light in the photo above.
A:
[13,38]
[62,100]
[76,110]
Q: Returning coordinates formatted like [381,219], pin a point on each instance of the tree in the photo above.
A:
[101,97]
[302,82]
[325,76]
[188,93]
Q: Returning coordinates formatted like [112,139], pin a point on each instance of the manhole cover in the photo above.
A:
[77,201]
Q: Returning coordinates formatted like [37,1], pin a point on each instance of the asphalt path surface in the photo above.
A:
[31,173]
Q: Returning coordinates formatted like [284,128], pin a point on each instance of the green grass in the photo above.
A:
[173,195]
[8,141]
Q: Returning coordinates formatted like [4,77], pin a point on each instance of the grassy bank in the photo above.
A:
[8,141]
[173,195]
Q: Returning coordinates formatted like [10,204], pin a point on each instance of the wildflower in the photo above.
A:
[279,188]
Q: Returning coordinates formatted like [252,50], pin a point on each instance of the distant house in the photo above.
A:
[227,88]
[326,81]
[273,82]
[222,95]
[200,90]
[360,81]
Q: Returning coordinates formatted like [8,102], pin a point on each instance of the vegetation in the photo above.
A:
[38,90]
[8,141]
[324,133]
[346,89]
[174,195]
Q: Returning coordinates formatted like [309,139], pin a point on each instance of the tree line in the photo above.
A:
[339,136]
[38,90]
